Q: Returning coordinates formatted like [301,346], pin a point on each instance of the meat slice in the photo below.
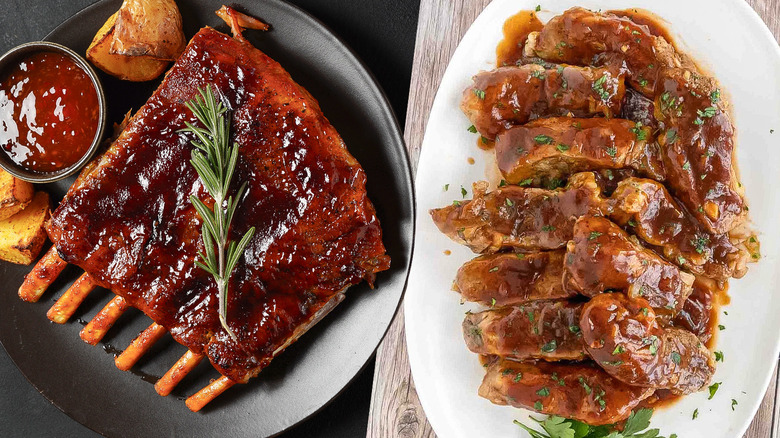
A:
[540,330]
[698,145]
[510,96]
[601,257]
[519,217]
[583,392]
[512,278]
[128,221]
[554,148]
[583,37]
[638,108]
[623,336]
[658,219]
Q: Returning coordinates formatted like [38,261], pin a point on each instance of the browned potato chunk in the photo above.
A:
[22,235]
[129,68]
[15,194]
[149,28]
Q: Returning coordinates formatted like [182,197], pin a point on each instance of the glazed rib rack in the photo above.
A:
[128,222]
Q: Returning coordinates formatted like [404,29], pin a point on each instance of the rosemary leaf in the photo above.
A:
[214,159]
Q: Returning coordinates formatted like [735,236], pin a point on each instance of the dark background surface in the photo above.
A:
[382,34]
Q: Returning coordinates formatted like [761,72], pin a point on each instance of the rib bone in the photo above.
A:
[104,320]
[139,346]
[42,275]
[64,308]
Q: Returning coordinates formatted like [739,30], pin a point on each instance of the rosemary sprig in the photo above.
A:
[214,159]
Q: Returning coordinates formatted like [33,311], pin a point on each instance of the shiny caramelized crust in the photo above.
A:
[512,278]
[129,223]
[540,330]
[552,149]
[582,392]
[624,337]
[656,217]
[602,257]
[583,37]
[519,217]
[510,96]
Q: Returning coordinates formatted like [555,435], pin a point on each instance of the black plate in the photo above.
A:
[82,380]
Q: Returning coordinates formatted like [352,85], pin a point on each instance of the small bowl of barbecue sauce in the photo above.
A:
[52,112]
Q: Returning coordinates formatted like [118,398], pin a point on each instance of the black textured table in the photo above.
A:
[382,34]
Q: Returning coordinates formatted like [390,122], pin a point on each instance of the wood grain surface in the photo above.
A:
[395,409]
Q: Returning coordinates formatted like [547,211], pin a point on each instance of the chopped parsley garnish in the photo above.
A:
[618,350]
[713,389]
[538,8]
[695,414]
[642,82]
[599,86]
[612,151]
[502,183]
[492,302]
[640,133]
[594,235]
[525,182]
[544,392]
[548,228]
[544,139]
[645,311]
[733,404]
[562,147]
[681,260]
[718,356]
[686,165]
[517,377]
[463,191]
[708,112]
[520,256]
[613,363]
[631,223]
[509,202]
[574,329]
[479,93]
[671,136]
[700,243]
[472,129]
[715,96]
[549,347]
[538,406]
[456,203]
[669,102]
[485,139]
[446,187]
[675,357]
[585,385]
[698,121]
[721,327]
[538,74]
[493,269]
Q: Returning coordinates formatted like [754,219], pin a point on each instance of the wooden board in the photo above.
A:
[395,409]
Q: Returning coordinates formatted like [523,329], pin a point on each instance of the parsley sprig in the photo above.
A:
[214,159]
[559,427]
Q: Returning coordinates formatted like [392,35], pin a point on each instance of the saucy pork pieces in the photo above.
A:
[619,219]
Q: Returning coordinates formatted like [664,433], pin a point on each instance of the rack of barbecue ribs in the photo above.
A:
[619,219]
[128,223]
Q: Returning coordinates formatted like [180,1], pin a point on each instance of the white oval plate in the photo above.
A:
[729,40]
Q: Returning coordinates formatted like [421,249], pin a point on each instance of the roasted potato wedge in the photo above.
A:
[148,28]
[15,194]
[22,235]
[128,68]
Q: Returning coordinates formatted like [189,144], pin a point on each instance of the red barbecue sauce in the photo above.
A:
[49,112]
